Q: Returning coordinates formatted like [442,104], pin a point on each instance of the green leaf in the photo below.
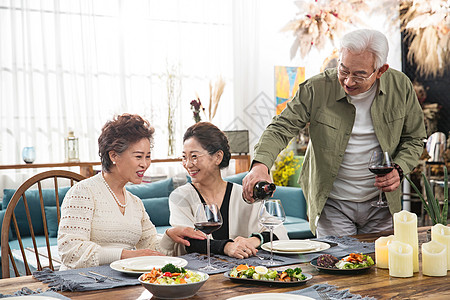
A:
[434,206]
[445,207]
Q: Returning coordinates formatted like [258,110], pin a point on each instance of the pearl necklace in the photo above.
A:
[114,195]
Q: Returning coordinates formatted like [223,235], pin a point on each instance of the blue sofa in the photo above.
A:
[155,197]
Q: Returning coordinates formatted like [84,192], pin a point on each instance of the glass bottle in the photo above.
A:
[261,191]
[71,148]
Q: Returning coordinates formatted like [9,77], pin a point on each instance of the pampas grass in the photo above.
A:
[214,96]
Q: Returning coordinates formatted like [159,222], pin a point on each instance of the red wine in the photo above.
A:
[207,227]
[381,170]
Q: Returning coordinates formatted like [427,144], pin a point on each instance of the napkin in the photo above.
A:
[26,292]
[326,291]
[70,280]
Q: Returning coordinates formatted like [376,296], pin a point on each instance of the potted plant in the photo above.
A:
[432,206]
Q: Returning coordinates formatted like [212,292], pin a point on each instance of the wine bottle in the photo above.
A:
[261,191]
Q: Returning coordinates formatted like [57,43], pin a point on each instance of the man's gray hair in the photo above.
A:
[367,40]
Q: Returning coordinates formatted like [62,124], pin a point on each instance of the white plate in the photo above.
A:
[293,245]
[142,264]
[33,297]
[271,296]
[319,246]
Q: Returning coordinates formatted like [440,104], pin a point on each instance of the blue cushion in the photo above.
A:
[156,189]
[293,201]
[2,215]
[158,210]
[52,220]
[299,230]
[34,207]
[237,178]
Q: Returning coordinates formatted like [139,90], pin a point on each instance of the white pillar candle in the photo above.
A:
[441,234]
[405,230]
[381,251]
[400,259]
[434,259]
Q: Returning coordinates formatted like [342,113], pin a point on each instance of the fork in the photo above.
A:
[104,276]
[92,277]
[323,295]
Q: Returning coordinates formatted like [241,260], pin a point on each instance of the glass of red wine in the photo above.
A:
[208,219]
[380,164]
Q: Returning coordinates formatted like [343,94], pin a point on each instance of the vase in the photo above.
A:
[28,155]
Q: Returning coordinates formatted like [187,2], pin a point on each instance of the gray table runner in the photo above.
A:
[26,292]
[326,291]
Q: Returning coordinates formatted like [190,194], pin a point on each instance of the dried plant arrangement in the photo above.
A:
[320,21]
[214,96]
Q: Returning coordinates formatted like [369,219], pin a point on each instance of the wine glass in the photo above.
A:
[271,215]
[380,164]
[208,219]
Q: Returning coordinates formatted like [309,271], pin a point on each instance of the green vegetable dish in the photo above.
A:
[262,273]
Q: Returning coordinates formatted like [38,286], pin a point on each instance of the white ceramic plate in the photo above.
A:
[293,245]
[142,264]
[318,246]
[271,296]
[33,297]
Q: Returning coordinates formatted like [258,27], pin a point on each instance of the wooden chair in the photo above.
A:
[10,220]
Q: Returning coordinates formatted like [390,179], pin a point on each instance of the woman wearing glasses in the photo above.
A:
[205,153]
[361,106]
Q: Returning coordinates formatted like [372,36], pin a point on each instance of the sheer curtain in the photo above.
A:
[74,64]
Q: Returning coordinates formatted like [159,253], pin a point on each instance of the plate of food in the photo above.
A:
[142,264]
[296,246]
[262,275]
[351,264]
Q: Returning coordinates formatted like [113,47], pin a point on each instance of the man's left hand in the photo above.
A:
[389,182]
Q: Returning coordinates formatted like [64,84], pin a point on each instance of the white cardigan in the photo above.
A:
[93,231]
[243,217]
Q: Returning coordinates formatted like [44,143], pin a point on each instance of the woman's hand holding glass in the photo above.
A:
[179,235]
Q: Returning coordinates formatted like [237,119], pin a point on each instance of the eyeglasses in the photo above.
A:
[193,158]
[357,79]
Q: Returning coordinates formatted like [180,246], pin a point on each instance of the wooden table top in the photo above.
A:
[375,283]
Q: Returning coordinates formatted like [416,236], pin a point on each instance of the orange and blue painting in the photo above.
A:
[287,80]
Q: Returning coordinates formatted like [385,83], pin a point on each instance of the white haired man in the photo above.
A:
[353,109]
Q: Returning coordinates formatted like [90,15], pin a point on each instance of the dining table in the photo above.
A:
[374,283]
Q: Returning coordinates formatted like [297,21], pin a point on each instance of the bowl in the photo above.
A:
[174,291]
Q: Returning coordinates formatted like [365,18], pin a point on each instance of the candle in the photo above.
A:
[400,259]
[405,230]
[434,259]
[441,234]
[381,251]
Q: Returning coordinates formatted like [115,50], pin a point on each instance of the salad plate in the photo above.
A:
[339,271]
[142,264]
[269,282]
[288,247]
[270,296]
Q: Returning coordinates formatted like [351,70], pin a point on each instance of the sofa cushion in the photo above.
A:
[237,178]
[156,189]
[34,207]
[2,215]
[52,220]
[299,230]
[158,210]
[293,201]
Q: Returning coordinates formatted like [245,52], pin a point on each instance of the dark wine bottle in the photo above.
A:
[261,191]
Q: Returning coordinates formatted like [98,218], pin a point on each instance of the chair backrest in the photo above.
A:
[19,208]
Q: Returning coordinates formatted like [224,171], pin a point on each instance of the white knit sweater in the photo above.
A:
[93,231]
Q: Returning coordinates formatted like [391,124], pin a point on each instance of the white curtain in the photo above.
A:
[74,64]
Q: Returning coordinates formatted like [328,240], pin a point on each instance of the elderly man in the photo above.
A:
[359,107]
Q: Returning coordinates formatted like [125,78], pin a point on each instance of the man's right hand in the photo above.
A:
[259,172]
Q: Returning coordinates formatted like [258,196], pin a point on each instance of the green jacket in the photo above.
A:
[321,101]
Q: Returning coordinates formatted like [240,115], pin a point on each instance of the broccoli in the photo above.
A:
[172,269]
[249,272]
[292,273]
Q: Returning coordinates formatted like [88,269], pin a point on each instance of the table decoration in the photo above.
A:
[434,259]
[381,251]
[405,231]
[400,259]
[441,234]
